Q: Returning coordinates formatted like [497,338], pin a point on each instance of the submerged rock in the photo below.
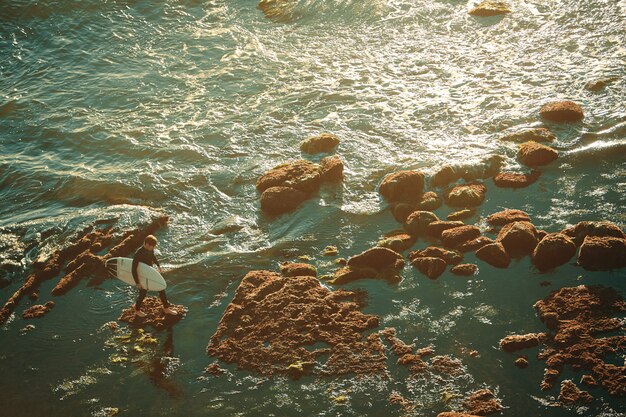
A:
[430,266]
[535,154]
[331,169]
[376,258]
[516,180]
[562,111]
[516,342]
[418,221]
[465,270]
[325,143]
[540,134]
[452,238]
[37,310]
[376,263]
[507,216]
[598,85]
[402,186]
[279,200]
[518,238]
[155,316]
[494,254]
[553,250]
[490,8]
[296,269]
[599,253]
[468,195]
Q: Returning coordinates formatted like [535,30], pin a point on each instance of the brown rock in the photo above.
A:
[295,269]
[465,270]
[570,394]
[377,258]
[331,169]
[540,134]
[418,221]
[602,253]
[214,369]
[516,342]
[515,180]
[535,154]
[348,274]
[468,195]
[37,311]
[448,256]
[474,245]
[553,250]
[452,238]
[435,229]
[155,316]
[589,381]
[397,241]
[402,186]
[279,200]
[482,402]
[300,175]
[490,8]
[518,238]
[325,142]
[401,211]
[522,362]
[494,254]
[429,266]
[507,216]
[562,111]
[444,176]
[598,85]
[430,201]
[581,230]
[461,215]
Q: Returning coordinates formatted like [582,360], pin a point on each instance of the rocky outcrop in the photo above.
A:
[429,266]
[517,342]
[279,200]
[516,180]
[376,258]
[297,269]
[331,169]
[402,186]
[562,111]
[581,230]
[465,270]
[323,143]
[535,154]
[452,238]
[553,250]
[599,253]
[540,134]
[490,8]
[570,394]
[494,254]
[300,175]
[482,402]
[518,238]
[37,310]
[507,216]
[418,221]
[377,263]
[155,316]
[275,322]
[468,195]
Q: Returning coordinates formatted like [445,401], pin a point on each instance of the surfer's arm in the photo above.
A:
[154,260]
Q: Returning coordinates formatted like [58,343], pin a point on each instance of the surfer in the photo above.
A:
[146,255]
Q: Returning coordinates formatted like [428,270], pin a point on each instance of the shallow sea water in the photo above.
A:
[118,109]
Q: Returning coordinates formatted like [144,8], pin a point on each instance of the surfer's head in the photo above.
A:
[150,242]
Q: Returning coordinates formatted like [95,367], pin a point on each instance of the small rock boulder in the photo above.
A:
[418,221]
[461,215]
[429,266]
[401,211]
[516,180]
[331,169]
[562,111]
[325,143]
[300,175]
[465,270]
[402,186]
[448,256]
[570,394]
[430,201]
[602,253]
[468,195]
[279,200]
[540,134]
[452,238]
[598,85]
[522,362]
[376,258]
[517,342]
[553,250]
[494,254]
[444,176]
[518,238]
[535,154]
[37,311]
[507,216]
[490,8]
[398,241]
[482,402]
[296,269]
[475,244]
[435,229]
[581,230]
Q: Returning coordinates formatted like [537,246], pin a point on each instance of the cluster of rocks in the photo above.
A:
[286,186]
[155,317]
[78,260]
[575,317]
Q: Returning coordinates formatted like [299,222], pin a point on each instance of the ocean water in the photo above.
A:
[119,109]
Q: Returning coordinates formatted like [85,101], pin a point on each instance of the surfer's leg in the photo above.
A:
[142,295]
[166,304]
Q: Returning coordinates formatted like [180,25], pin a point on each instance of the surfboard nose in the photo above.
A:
[111,266]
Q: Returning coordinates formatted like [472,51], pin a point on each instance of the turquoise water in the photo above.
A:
[116,109]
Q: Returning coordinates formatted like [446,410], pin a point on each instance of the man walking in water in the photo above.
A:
[145,254]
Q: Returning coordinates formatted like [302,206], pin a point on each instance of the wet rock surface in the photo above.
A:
[516,342]
[331,169]
[324,142]
[570,394]
[581,321]
[516,180]
[430,266]
[554,250]
[460,215]
[468,195]
[397,241]
[417,222]
[507,216]
[464,270]
[155,316]
[494,254]
[402,186]
[490,8]
[518,238]
[482,403]
[452,238]
[602,253]
[540,134]
[300,175]
[581,230]
[534,154]
[37,310]
[294,269]
[562,111]
[448,256]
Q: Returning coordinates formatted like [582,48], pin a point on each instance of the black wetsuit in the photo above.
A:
[147,257]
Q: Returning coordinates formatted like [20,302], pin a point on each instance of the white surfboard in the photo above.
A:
[150,279]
